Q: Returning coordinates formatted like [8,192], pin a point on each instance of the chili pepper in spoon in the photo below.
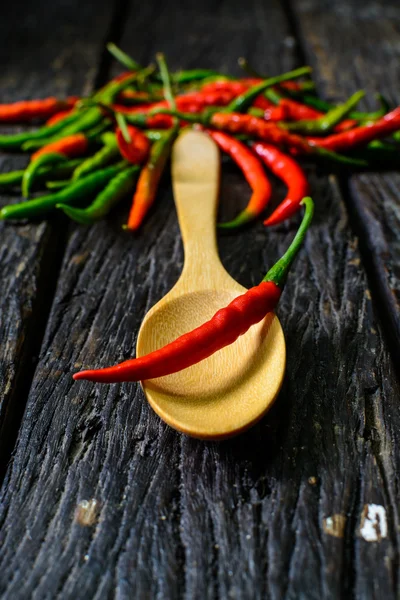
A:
[221,330]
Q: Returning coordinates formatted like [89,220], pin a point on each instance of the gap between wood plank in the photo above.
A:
[50,267]
[349,576]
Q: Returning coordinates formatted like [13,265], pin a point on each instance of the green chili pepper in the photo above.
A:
[154,134]
[102,158]
[178,78]
[14,178]
[242,102]
[109,138]
[57,185]
[32,169]
[123,58]
[328,121]
[90,118]
[396,136]
[273,95]
[324,106]
[378,144]
[77,191]
[256,112]
[199,84]
[382,154]
[334,157]
[116,189]
[15,141]
[193,75]
[110,91]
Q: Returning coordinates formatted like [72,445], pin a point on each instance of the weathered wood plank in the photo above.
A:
[103,500]
[356,45]
[53,51]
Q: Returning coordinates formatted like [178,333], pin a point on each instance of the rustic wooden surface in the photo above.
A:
[101,499]
[366,57]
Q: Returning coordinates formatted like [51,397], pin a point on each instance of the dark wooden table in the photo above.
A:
[99,498]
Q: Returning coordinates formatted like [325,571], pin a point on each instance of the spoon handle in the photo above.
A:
[195,182]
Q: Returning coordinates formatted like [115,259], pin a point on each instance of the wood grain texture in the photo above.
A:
[103,500]
[366,56]
[53,51]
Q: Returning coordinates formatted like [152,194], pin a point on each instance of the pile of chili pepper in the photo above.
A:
[90,153]
[93,152]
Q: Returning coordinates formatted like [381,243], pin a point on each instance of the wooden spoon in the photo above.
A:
[232,389]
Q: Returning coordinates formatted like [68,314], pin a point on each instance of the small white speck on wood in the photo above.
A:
[373,526]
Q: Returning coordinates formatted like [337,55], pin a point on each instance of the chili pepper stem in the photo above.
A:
[278,273]
[242,219]
[122,57]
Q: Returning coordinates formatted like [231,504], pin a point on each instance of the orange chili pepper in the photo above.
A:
[28,110]
[72,145]
[149,178]
[59,116]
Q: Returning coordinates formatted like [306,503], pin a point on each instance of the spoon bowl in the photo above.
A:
[232,389]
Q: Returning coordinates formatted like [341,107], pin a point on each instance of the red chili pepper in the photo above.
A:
[193,102]
[71,146]
[263,103]
[258,128]
[28,110]
[345,125]
[236,87]
[294,86]
[221,330]
[159,122]
[142,118]
[137,150]
[248,125]
[59,116]
[241,85]
[360,136]
[290,110]
[254,173]
[287,169]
